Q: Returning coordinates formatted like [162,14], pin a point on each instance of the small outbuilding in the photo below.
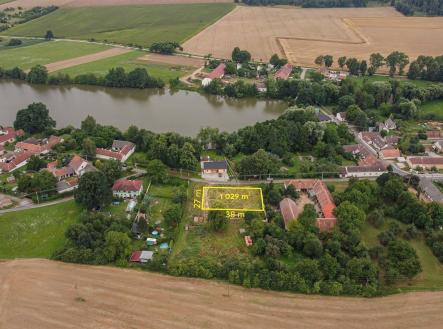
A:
[141,256]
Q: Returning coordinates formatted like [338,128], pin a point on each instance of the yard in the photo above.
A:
[36,232]
[129,62]
[141,25]
[45,53]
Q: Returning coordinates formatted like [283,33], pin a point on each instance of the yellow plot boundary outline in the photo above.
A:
[233,188]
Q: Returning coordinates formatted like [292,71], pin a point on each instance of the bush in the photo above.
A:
[14,42]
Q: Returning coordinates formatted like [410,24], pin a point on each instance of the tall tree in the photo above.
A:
[34,119]
[93,190]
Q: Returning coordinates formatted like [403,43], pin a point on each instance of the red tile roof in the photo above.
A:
[218,72]
[284,72]
[19,157]
[289,211]
[426,160]
[40,146]
[116,154]
[390,152]
[433,134]
[76,162]
[321,192]
[135,257]
[127,185]
[10,134]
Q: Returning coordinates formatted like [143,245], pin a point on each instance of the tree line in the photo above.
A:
[413,7]
[309,3]
[116,77]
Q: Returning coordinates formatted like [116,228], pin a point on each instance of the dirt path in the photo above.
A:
[45,294]
[172,60]
[85,59]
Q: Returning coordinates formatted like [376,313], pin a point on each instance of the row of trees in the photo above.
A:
[309,3]
[116,77]
[166,47]
[411,7]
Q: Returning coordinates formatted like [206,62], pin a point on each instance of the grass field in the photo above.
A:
[36,232]
[25,43]
[232,198]
[45,53]
[435,107]
[129,62]
[431,278]
[140,25]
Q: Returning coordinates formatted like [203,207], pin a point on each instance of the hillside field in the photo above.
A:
[128,61]
[141,25]
[45,53]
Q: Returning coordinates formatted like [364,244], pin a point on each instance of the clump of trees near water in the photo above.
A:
[116,77]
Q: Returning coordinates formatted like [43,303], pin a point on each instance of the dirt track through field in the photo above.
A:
[94,3]
[44,294]
[85,59]
[303,34]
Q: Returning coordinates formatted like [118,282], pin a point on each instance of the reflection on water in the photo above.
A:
[157,110]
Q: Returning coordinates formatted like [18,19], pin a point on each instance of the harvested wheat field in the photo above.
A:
[94,3]
[45,294]
[172,60]
[86,59]
[303,34]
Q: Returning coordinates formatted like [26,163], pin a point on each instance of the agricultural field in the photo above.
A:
[128,61]
[303,34]
[40,292]
[36,232]
[232,198]
[95,3]
[45,53]
[141,25]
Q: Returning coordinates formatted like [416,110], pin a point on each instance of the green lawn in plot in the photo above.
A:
[232,198]
[45,53]
[372,78]
[36,232]
[434,107]
[129,62]
[140,25]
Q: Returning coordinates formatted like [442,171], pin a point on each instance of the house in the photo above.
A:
[67,185]
[433,134]
[438,146]
[322,117]
[317,189]
[289,211]
[388,125]
[76,167]
[284,72]
[389,153]
[38,146]
[217,73]
[425,162]
[393,140]
[341,116]
[9,135]
[333,75]
[215,170]
[365,157]
[373,139]
[120,151]
[141,256]
[373,170]
[125,188]
[14,160]
[430,191]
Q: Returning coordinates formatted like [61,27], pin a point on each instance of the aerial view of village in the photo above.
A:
[221,164]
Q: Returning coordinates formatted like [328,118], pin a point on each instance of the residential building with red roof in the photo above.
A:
[373,170]
[120,151]
[218,72]
[433,134]
[125,188]
[14,160]
[389,153]
[76,167]
[9,135]
[38,146]
[320,193]
[425,162]
[284,72]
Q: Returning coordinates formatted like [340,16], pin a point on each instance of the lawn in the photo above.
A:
[36,232]
[25,43]
[434,107]
[129,62]
[45,53]
[141,25]
[372,78]
[432,276]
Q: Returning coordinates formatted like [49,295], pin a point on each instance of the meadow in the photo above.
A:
[141,25]
[36,232]
[434,107]
[45,53]
[129,62]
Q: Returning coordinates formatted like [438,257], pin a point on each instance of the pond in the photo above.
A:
[181,111]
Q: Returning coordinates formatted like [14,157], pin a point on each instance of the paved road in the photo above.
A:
[33,205]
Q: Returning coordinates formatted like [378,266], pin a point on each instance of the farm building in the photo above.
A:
[333,75]
[141,256]
[120,151]
[373,170]
[284,72]
[365,157]
[127,189]
[317,190]
[389,153]
[425,162]
[289,211]
[38,146]
[217,73]
[373,139]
